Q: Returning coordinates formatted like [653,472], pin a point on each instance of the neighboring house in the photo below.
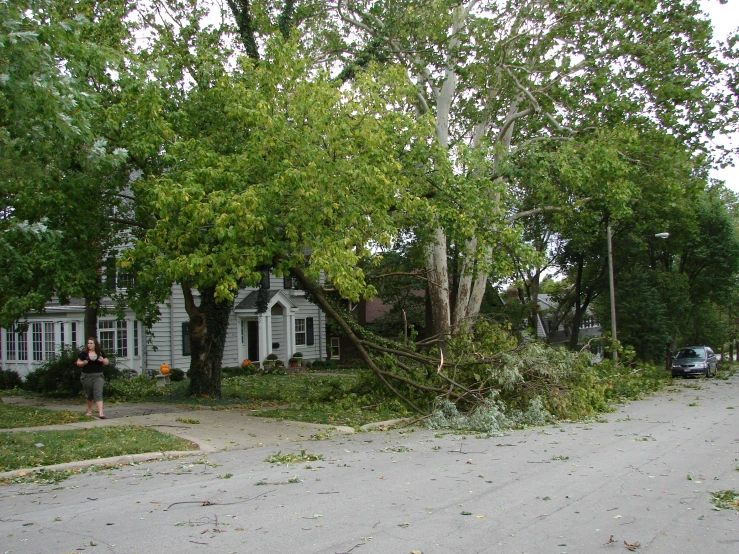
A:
[290,324]
[589,327]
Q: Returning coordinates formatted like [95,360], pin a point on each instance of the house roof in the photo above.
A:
[273,296]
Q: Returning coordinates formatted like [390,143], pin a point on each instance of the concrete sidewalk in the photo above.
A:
[216,430]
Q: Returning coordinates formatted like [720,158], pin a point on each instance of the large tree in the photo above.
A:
[498,76]
[61,173]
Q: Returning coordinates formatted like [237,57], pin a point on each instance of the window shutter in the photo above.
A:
[186,339]
[309,331]
[264,283]
[287,282]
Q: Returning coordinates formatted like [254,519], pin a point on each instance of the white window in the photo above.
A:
[335,348]
[300,332]
[124,281]
[114,337]
[49,344]
[74,333]
[106,331]
[9,345]
[38,341]
[23,345]
[135,338]
[43,343]
[121,339]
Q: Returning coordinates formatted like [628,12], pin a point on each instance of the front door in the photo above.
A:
[252,340]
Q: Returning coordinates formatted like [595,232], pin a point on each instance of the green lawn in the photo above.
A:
[13,417]
[40,448]
[314,398]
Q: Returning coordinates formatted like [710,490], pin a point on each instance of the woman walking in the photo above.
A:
[92,360]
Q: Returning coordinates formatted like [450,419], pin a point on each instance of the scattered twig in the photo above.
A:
[209,503]
[352,548]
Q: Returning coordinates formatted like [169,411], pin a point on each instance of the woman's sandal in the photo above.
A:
[102,417]
[89,414]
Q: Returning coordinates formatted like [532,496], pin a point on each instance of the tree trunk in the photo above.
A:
[92,306]
[438,275]
[208,328]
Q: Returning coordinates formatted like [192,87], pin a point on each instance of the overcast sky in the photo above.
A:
[725,19]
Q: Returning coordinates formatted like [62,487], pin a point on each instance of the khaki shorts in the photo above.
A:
[92,383]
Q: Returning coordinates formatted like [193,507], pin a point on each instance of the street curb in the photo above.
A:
[126,459]
[384,425]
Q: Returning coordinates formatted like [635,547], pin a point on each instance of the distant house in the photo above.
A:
[545,327]
[290,323]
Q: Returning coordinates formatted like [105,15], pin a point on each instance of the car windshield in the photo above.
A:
[690,353]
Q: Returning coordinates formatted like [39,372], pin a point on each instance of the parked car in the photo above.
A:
[694,360]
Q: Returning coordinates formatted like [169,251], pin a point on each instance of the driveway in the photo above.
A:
[639,480]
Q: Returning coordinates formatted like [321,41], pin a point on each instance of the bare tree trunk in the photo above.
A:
[208,328]
[92,305]
[438,275]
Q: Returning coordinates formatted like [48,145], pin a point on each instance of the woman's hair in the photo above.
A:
[98,350]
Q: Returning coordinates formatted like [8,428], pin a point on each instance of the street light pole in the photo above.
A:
[613,292]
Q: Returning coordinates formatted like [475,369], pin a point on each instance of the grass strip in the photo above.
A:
[13,417]
[42,448]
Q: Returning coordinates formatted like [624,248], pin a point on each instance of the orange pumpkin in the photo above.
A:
[246,363]
[164,369]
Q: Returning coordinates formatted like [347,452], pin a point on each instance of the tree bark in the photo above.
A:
[92,305]
[208,328]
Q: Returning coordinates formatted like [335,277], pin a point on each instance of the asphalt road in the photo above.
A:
[641,479]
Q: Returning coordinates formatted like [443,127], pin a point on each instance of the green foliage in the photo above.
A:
[631,381]
[726,500]
[61,376]
[323,365]
[58,61]
[534,384]
[137,389]
[489,416]
[237,371]
[292,458]
[9,379]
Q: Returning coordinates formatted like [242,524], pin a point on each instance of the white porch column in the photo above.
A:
[265,335]
[289,335]
[242,338]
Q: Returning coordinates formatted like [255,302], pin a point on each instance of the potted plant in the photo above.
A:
[270,361]
[299,357]
[294,362]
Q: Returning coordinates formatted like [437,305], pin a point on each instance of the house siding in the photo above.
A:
[162,343]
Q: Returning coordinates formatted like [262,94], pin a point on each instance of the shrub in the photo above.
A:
[177,375]
[9,379]
[239,371]
[61,376]
[320,365]
[138,388]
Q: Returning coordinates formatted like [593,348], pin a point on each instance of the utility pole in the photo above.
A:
[613,292]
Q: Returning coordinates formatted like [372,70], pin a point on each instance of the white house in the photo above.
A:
[589,327]
[290,324]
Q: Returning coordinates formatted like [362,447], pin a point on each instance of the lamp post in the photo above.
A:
[614,332]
